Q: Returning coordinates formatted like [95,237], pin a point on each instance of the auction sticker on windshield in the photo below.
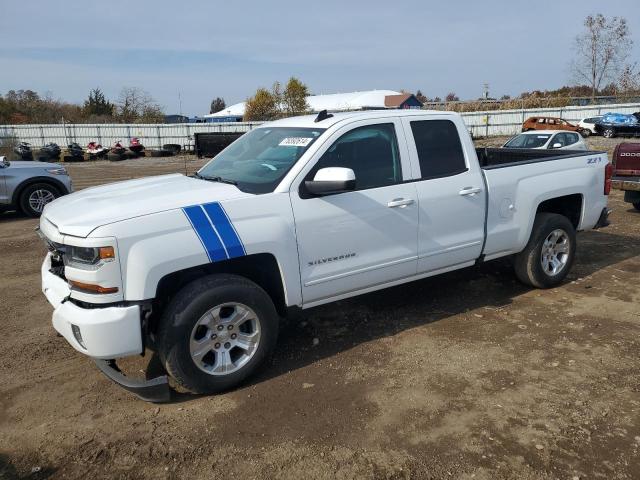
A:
[295,141]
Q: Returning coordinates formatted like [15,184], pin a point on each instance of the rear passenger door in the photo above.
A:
[451,194]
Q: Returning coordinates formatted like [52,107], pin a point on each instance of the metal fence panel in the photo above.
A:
[151,135]
[487,123]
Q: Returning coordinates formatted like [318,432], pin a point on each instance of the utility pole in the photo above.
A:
[485,91]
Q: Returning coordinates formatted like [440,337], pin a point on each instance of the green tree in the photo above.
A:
[294,97]
[217,105]
[97,104]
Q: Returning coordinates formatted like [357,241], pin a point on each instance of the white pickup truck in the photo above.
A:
[297,213]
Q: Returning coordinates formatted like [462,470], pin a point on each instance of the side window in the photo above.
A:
[559,138]
[439,148]
[571,138]
[370,151]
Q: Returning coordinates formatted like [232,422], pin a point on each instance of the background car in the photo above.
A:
[29,186]
[547,139]
[589,124]
[619,125]
[550,123]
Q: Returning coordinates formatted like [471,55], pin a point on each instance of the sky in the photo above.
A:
[187,53]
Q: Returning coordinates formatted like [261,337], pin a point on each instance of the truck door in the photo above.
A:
[451,194]
[354,240]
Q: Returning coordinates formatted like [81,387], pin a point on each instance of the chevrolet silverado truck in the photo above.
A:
[297,213]
[626,172]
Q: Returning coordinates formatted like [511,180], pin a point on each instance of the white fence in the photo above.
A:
[151,135]
[481,124]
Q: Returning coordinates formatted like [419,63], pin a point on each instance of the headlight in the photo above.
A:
[82,257]
[57,171]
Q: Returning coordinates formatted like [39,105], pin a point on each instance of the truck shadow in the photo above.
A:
[343,325]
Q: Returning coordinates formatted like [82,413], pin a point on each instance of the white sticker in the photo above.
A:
[295,141]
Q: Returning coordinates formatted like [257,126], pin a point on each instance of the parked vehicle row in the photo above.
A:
[608,125]
[297,213]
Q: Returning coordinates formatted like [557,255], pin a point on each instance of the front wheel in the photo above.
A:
[585,132]
[609,133]
[549,254]
[35,197]
[217,331]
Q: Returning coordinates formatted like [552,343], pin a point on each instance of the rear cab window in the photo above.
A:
[439,149]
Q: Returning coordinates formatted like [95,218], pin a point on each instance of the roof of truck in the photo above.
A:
[308,121]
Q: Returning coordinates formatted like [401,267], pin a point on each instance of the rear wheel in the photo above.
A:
[217,331]
[549,254]
[609,133]
[36,196]
[585,132]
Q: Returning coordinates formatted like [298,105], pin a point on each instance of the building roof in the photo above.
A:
[335,102]
[394,101]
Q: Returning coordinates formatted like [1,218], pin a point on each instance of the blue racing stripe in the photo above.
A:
[225,229]
[206,234]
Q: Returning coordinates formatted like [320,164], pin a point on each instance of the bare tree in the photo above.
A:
[601,50]
[135,104]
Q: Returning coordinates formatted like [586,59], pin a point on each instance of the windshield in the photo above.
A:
[528,141]
[259,159]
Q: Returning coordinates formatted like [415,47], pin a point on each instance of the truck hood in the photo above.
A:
[82,212]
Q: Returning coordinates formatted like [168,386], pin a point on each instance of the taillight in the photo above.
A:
[608,173]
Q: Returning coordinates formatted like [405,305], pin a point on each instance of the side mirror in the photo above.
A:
[556,145]
[331,180]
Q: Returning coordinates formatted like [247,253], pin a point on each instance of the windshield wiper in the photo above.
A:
[216,179]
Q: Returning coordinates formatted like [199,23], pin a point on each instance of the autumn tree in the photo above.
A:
[452,97]
[262,106]
[294,97]
[601,50]
[421,97]
[217,105]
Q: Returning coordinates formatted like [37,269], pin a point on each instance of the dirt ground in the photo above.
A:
[465,375]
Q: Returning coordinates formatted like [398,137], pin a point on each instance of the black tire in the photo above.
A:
[160,153]
[174,148]
[636,205]
[528,263]
[585,132]
[609,133]
[188,307]
[116,157]
[26,207]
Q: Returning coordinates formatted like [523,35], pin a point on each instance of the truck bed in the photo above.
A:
[491,158]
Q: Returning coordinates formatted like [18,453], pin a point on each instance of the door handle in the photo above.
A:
[400,202]
[470,191]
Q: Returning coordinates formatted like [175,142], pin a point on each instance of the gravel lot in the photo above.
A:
[466,375]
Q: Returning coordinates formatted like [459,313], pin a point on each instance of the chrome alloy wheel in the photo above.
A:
[555,252]
[225,338]
[39,198]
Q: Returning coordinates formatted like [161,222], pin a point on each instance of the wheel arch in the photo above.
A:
[17,192]
[261,268]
